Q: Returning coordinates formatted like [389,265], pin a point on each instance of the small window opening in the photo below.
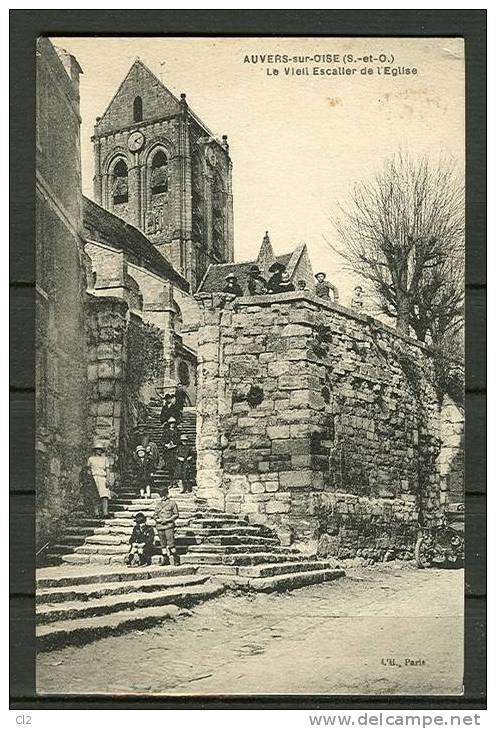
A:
[159,173]
[119,190]
[138,109]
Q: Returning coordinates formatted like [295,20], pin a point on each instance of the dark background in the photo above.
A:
[25,26]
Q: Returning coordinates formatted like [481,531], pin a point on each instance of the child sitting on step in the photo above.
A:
[141,541]
[166,513]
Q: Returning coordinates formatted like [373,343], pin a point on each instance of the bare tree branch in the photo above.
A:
[403,230]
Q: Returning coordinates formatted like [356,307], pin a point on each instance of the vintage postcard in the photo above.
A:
[249,363]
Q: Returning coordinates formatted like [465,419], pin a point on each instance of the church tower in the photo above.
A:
[159,167]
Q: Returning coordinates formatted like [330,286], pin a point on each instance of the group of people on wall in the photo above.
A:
[279,282]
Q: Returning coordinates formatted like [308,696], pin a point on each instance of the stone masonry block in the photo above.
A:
[277,507]
[299,398]
[277,432]
[295,479]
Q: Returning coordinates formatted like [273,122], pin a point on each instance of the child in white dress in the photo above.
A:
[99,466]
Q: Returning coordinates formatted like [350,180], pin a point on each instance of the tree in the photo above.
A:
[439,304]
[404,232]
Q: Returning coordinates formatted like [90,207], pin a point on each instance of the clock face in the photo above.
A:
[135,141]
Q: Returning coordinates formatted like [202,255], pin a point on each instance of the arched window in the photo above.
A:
[183,373]
[178,318]
[138,109]
[119,186]
[159,173]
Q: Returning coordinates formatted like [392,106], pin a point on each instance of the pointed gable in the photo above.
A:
[266,256]
[299,266]
[156,100]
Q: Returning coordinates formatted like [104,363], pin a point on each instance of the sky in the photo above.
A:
[298,142]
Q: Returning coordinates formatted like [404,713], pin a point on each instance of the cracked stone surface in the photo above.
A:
[324,639]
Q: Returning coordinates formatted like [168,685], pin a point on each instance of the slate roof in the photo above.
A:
[215,277]
[104,227]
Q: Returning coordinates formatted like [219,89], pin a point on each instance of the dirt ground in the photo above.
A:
[355,635]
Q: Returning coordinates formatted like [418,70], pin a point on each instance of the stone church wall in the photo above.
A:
[318,421]
[61,398]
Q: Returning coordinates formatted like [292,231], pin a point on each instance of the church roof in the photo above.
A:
[104,227]
[158,101]
[215,277]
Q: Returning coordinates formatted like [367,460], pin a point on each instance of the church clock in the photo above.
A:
[135,141]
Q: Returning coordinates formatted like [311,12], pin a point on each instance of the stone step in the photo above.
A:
[184,535]
[281,568]
[119,544]
[86,630]
[128,521]
[92,559]
[72,593]
[60,577]
[127,527]
[130,514]
[62,548]
[75,539]
[82,531]
[239,560]
[108,539]
[218,521]
[240,549]
[197,514]
[227,531]
[75,610]
[187,501]
[108,549]
[242,560]
[146,506]
[85,521]
[280,583]
[227,540]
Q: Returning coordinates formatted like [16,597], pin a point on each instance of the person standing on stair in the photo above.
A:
[181,399]
[171,440]
[169,409]
[99,466]
[165,515]
[152,449]
[141,541]
[143,467]
[184,465]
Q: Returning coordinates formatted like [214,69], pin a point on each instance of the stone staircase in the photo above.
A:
[153,428]
[77,605]
[241,554]
[244,555]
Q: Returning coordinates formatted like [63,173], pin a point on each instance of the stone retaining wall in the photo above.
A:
[107,355]
[300,400]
